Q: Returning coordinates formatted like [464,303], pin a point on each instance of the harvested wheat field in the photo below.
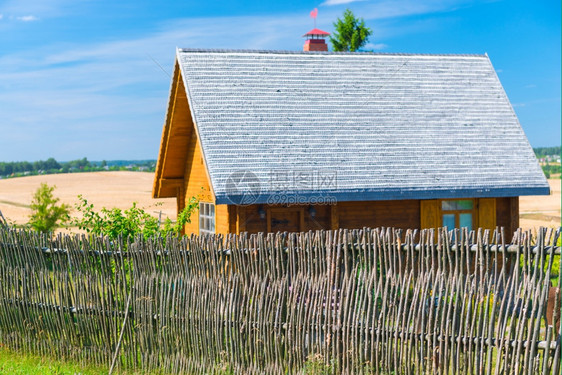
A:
[544,211]
[102,189]
[121,189]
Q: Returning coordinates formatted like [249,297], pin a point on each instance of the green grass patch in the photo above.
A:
[25,364]
[15,363]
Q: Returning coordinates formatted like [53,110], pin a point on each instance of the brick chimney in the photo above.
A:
[315,40]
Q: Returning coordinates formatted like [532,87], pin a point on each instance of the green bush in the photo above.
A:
[129,223]
[47,214]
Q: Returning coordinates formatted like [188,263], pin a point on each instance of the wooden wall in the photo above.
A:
[197,185]
[249,219]
[403,214]
[350,215]
[176,136]
[398,214]
[507,215]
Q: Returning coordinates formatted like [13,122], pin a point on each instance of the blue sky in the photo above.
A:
[83,77]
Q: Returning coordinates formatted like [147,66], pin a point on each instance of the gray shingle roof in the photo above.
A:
[356,126]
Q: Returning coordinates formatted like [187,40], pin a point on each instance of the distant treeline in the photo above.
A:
[550,169]
[51,166]
[549,158]
[546,151]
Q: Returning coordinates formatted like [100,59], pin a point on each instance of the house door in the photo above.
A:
[285,219]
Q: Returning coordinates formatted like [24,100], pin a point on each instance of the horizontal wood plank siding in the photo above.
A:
[503,214]
[320,221]
[507,214]
[222,219]
[350,215]
[197,185]
[404,214]
[514,210]
[398,214]
[253,223]
[232,219]
[176,139]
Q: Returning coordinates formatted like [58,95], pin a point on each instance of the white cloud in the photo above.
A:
[28,18]
[40,8]
[338,2]
[102,93]
[375,46]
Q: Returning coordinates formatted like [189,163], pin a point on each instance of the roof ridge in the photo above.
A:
[288,52]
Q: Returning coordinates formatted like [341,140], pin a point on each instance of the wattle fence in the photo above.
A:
[372,301]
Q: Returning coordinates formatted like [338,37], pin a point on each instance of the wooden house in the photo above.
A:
[297,141]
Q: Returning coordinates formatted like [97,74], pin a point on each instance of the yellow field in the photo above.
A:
[103,189]
[540,211]
[121,189]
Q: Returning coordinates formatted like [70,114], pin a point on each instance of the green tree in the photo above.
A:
[47,214]
[350,33]
[51,164]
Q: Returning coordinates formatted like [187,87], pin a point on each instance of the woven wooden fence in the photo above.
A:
[373,301]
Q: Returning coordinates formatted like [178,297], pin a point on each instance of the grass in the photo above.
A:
[26,364]
[14,363]
[316,365]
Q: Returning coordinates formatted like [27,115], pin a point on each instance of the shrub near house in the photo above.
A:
[129,223]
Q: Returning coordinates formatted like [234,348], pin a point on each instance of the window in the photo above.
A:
[206,218]
[457,213]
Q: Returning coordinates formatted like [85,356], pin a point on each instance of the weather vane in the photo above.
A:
[314,14]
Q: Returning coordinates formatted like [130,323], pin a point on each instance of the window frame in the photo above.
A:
[205,209]
[473,211]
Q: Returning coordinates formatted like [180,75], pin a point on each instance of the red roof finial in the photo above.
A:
[315,32]
[315,37]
